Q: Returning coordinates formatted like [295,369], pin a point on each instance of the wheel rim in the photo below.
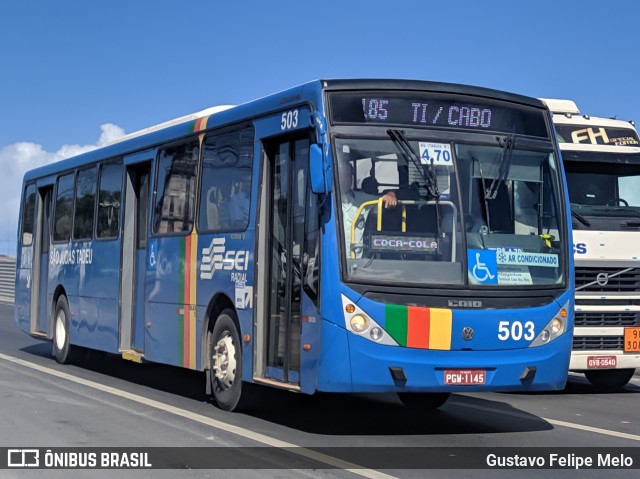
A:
[224,360]
[61,332]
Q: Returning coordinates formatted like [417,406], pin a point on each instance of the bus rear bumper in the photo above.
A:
[425,369]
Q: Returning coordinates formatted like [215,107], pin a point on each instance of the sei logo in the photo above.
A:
[216,257]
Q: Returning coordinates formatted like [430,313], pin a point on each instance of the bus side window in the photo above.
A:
[27,215]
[64,208]
[85,204]
[175,197]
[225,196]
[109,200]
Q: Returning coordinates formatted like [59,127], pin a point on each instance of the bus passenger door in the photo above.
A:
[285,212]
[134,252]
[40,269]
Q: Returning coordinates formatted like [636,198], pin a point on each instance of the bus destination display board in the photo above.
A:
[424,110]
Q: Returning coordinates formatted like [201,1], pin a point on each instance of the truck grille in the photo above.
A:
[597,342]
[625,280]
[609,318]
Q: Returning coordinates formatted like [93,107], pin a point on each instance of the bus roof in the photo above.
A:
[456,88]
[310,92]
[175,121]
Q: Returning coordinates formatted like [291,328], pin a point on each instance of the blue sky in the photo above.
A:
[75,74]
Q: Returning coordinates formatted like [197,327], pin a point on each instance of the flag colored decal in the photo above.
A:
[187,298]
[200,124]
[414,327]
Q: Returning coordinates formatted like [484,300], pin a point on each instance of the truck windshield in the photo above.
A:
[603,184]
[415,211]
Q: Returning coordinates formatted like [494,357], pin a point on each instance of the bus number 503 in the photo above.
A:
[516,331]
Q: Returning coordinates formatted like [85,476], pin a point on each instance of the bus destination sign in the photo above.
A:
[424,110]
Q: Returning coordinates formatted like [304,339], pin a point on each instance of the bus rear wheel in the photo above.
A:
[609,379]
[62,349]
[423,401]
[225,359]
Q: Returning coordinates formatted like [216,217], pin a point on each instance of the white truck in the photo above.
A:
[601,159]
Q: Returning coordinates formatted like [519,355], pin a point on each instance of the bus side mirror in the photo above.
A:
[320,180]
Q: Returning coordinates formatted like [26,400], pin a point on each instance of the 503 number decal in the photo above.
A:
[516,330]
[289,120]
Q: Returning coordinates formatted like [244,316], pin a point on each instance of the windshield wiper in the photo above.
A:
[504,166]
[409,154]
[484,192]
[430,179]
[580,218]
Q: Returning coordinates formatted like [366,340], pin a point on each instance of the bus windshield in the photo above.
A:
[465,214]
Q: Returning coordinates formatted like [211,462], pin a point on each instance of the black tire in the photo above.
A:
[62,349]
[226,378]
[423,401]
[609,379]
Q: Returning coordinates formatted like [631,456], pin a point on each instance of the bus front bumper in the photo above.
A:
[373,367]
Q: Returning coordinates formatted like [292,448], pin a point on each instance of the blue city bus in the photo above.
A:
[379,236]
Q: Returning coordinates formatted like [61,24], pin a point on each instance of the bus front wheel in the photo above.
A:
[609,379]
[225,359]
[423,401]
[62,349]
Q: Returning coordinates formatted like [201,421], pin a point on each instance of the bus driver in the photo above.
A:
[351,201]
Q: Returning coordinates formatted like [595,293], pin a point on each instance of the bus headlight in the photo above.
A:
[556,326]
[359,323]
[554,329]
[376,333]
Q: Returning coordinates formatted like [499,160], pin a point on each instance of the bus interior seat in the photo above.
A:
[213,208]
[370,185]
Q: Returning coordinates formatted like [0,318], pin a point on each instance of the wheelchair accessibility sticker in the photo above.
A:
[483,266]
[152,259]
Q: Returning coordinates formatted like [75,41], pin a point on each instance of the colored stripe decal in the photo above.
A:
[418,327]
[423,328]
[396,323]
[193,269]
[441,322]
[187,286]
[181,305]
[187,303]
[200,124]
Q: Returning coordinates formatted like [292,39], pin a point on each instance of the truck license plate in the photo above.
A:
[601,362]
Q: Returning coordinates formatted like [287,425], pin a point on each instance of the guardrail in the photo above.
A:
[7,279]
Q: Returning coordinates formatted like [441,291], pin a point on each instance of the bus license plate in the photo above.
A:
[632,340]
[463,377]
[601,362]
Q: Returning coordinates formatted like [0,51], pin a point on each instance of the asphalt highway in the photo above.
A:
[104,401]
